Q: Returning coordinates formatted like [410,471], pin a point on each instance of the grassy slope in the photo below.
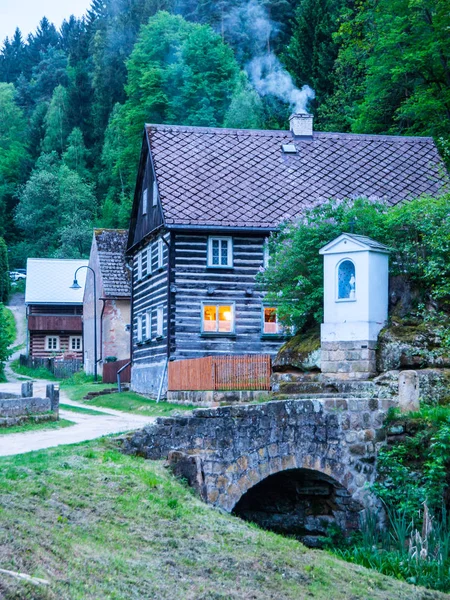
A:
[98,525]
[126,401]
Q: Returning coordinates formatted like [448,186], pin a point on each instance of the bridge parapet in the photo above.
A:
[225,451]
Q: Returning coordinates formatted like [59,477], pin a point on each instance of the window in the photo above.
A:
[149,259]
[346,281]
[139,266]
[155,193]
[76,343]
[145,201]
[52,342]
[139,328]
[271,326]
[220,252]
[266,255]
[160,253]
[218,318]
[148,325]
[159,321]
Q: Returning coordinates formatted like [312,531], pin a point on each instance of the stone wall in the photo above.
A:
[349,360]
[226,451]
[215,398]
[15,409]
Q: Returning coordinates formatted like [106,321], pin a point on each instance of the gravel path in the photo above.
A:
[87,427]
[17,306]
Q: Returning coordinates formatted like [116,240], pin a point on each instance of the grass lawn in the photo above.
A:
[40,373]
[126,401]
[100,525]
[27,427]
[79,409]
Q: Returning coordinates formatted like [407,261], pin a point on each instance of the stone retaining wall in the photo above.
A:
[215,398]
[15,409]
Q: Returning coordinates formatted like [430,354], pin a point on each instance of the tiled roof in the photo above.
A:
[49,281]
[209,176]
[111,245]
[367,241]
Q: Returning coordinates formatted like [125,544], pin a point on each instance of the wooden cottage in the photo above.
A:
[54,310]
[206,201]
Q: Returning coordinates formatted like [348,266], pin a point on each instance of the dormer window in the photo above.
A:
[220,252]
[145,201]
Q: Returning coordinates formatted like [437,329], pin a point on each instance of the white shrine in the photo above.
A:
[356,280]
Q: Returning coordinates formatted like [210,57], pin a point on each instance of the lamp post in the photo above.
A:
[77,286]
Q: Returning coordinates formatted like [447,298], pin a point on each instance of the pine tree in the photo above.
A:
[56,122]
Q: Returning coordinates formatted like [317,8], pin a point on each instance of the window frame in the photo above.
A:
[149,259]
[155,193]
[139,329]
[279,332]
[58,343]
[145,201]
[148,325]
[160,253]
[338,266]
[72,338]
[159,321]
[230,253]
[232,305]
[139,266]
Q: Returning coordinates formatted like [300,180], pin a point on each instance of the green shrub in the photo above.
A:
[417,232]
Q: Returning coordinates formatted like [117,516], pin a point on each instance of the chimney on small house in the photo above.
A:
[301,124]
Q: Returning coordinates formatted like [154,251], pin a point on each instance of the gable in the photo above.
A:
[147,211]
[349,242]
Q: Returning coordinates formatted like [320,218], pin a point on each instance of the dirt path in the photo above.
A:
[87,427]
[17,306]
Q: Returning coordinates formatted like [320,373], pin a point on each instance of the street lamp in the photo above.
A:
[77,286]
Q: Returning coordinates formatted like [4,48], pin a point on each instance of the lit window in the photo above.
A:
[139,328]
[218,318]
[346,281]
[160,253]
[148,325]
[52,343]
[76,343]
[271,326]
[145,201]
[159,321]
[155,193]
[139,266]
[220,252]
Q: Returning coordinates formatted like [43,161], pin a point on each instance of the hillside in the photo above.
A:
[98,524]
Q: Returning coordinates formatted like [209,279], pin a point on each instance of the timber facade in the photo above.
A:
[206,202]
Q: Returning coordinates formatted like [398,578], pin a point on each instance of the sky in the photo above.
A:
[26,14]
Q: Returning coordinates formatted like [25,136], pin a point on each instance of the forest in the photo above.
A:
[74,101]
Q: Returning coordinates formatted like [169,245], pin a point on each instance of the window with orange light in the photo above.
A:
[218,318]
[271,326]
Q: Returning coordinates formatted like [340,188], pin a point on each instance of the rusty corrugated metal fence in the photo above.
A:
[248,372]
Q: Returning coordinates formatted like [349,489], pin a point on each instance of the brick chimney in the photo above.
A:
[301,124]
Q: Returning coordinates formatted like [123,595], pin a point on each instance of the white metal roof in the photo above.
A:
[49,280]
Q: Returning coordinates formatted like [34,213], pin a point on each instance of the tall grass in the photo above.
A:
[417,550]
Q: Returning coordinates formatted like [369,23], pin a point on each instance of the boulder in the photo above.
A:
[301,352]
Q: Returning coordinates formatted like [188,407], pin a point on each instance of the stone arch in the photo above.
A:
[301,502]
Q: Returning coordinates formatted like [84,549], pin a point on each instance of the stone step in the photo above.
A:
[323,396]
[326,386]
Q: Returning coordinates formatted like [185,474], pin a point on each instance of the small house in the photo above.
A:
[54,310]
[113,294]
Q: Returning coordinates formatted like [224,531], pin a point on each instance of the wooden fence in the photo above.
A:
[249,372]
[109,374]
[61,368]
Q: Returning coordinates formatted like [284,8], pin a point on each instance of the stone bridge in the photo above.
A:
[293,466]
